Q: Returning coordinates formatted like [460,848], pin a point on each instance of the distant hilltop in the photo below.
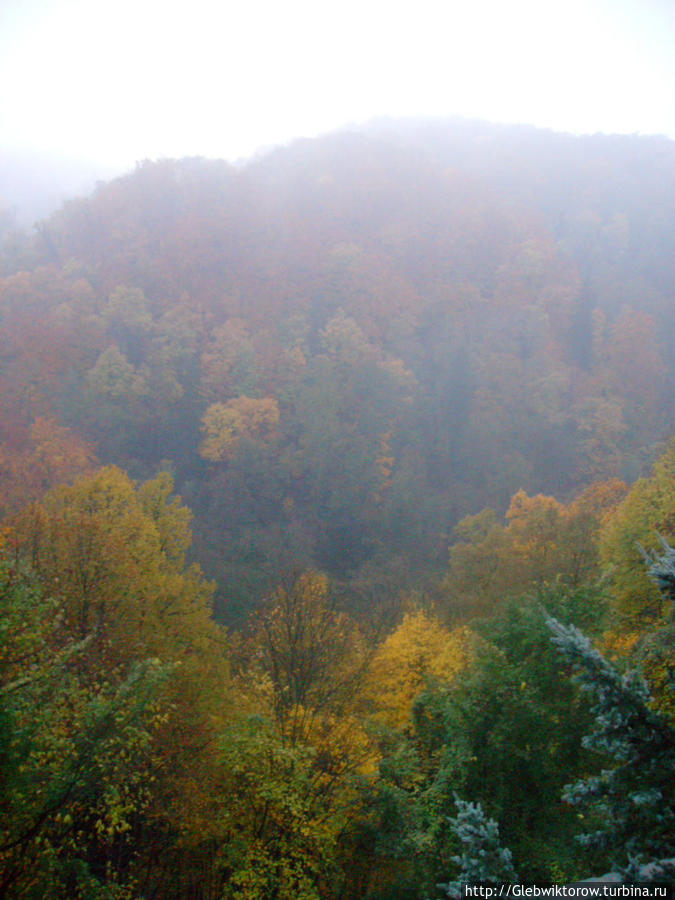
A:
[34,183]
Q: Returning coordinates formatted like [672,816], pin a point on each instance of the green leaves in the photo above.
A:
[74,755]
[631,802]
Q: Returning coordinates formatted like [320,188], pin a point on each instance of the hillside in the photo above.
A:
[337,513]
[346,345]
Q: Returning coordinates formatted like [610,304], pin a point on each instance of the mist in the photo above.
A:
[337,404]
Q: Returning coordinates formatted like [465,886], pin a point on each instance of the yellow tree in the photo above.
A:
[110,550]
[224,425]
[420,648]
[112,554]
[582,521]
[478,572]
[647,511]
[228,364]
[534,531]
[314,657]
[127,757]
[542,541]
[291,759]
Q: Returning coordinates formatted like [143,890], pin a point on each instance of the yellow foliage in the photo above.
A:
[313,656]
[418,649]
[543,540]
[115,554]
[601,425]
[640,624]
[127,307]
[647,511]
[229,363]
[112,555]
[480,570]
[344,340]
[288,762]
[534,525]
[225,424]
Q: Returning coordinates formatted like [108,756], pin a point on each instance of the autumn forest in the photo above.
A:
[337,503]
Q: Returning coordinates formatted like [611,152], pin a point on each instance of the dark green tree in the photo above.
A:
[630,803]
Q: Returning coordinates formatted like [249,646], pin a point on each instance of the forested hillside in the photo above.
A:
[297,460]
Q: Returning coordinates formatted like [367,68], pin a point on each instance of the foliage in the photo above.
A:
[343,351]
[363,377]
[77,759]
[483,861]
[314,660]
[113,555]
[661,569]
[280,829]
[47,455]
[542,542]
[226,424]
[647,511]
[418,649]
[506,730]
[631,802]
[293,757]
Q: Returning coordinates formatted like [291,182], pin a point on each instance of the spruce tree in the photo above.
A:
[631,801]
[661,569]
[482,860]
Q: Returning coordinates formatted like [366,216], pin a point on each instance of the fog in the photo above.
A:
[115,83]
[301,447]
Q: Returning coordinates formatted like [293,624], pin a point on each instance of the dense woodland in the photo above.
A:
[320,478]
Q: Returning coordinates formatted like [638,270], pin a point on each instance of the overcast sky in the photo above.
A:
[123,80]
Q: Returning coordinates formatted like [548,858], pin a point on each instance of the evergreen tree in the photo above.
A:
[662,571]
[482,860]
[631,802]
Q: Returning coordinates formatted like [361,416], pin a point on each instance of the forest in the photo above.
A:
[337,513]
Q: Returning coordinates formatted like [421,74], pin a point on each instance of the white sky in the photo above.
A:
[122,80]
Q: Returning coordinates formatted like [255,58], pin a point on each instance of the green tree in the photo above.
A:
[76,762]
[631,803]
[113,555]
[505,731]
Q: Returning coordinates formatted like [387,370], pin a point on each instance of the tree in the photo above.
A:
[419,649]
[655,650]
[77,759]
[647,511]
[314,657]
[116,554]
[277,830]
[542,541]
[48,455]
[631,804]
[482,861]
[292,758]
[228,363]
[113,555]
[505,730]
[225,425]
